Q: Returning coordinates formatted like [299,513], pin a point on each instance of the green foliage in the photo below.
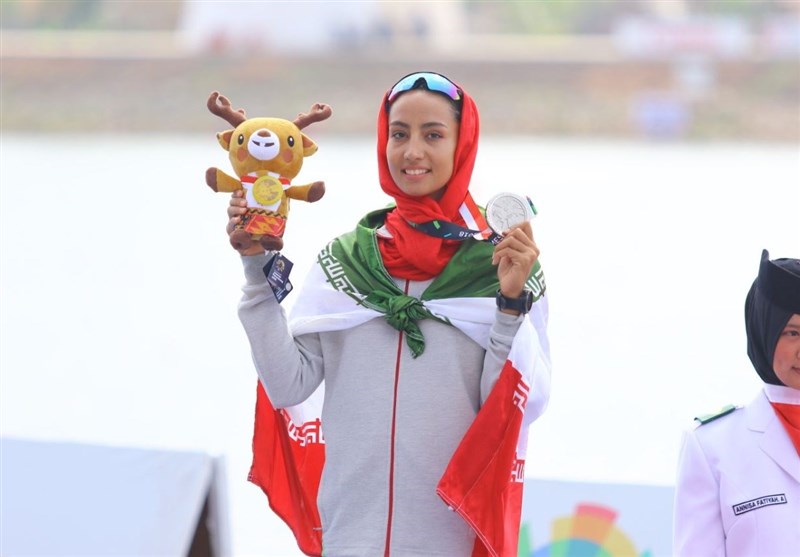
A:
[552,17]
[558,17]
[543,16]
[744,8]
[89,15]
[41,14]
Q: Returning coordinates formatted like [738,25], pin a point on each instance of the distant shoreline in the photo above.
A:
[752,101]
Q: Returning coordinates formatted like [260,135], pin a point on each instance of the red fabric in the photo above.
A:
[288,472]
[789,415]
[255,222]
[484,480]
[411,254]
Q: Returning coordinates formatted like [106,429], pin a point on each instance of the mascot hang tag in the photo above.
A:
[277,272]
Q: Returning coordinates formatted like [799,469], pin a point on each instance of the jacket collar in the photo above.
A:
[774,441]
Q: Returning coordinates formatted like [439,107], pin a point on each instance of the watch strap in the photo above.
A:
[521,304]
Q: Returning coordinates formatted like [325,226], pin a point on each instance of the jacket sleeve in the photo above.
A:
[500,337]
[697,525]
[290,369]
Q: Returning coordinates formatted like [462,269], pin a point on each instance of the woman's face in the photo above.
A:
[787,354]
[423,133]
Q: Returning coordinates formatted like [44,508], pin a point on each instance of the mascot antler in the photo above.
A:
[221,106]
[317,113]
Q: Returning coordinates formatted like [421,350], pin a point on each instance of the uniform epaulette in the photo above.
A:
[724,411]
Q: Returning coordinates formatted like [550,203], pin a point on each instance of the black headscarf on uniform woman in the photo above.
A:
[771,302]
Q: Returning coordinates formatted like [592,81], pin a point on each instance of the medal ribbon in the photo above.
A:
[252,177]
[451,231]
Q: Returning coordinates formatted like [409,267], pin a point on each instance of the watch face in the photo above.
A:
[505,210]
[528,300]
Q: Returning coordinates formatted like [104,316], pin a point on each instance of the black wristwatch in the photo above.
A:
[522,304]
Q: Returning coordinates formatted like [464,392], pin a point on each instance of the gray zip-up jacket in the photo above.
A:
[391,421]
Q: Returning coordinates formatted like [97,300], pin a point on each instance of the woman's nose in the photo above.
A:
[413,151]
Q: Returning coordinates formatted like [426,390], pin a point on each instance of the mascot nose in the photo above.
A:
[263,133]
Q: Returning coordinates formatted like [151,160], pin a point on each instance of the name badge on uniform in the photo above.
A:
[758,503]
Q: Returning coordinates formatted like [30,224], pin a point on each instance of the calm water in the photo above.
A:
[119,292]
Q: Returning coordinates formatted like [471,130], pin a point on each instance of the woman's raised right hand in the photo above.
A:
[236,210]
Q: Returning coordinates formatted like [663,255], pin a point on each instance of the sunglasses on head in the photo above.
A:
[425,80]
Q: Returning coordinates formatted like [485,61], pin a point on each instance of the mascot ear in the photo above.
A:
[224,139]
[309,147]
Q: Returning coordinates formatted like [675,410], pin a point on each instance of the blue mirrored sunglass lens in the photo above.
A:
[433,81]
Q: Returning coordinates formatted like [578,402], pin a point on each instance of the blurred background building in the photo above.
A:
[704,70]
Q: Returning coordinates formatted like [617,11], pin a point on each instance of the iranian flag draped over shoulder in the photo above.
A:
[483,482]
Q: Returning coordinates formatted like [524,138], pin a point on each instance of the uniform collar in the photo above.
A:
[774,441]
[782,394]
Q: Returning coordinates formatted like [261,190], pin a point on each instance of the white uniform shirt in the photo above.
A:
[738,487]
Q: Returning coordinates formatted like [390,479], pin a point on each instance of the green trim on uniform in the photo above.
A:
[724,411]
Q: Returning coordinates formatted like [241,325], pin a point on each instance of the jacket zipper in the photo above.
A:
[386,552]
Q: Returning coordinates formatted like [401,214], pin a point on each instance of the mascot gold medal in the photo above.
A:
[267,190]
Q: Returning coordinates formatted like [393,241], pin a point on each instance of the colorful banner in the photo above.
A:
[575,519]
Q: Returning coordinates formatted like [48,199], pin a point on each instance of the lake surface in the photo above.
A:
[119,292]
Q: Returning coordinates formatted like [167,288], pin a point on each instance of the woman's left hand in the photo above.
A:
[515,256]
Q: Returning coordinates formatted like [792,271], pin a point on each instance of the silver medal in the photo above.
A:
[505,210]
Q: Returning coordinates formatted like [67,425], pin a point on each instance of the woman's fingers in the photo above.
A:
[517,243]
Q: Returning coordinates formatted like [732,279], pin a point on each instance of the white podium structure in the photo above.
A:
[74,499]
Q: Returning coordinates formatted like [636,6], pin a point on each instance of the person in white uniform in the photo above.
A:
[738,485]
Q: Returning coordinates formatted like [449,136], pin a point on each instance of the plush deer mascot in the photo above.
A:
[266,154]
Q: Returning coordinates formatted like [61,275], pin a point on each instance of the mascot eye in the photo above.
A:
[241,138]
[290,140]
